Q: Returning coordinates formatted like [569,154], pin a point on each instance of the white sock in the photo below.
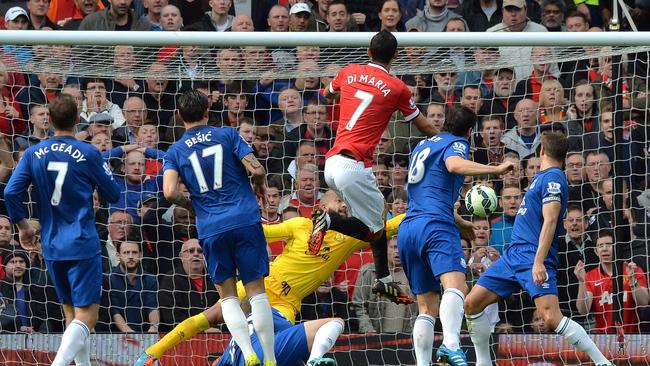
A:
[423,338]
[263,324]
[387,279]
[74,338]
[576,335]
[479,330]
[325,338]
[235,319]
[83,355]
[451,317]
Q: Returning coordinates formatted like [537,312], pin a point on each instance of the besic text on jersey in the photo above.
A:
[200,137]
[62,147]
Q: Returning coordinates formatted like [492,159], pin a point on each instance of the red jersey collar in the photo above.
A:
[378,66]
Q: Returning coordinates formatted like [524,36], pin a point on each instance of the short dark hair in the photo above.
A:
[338,2]
[575,207]
[603,233]
[192,106]
[555,145]
[491,117]
[381,4]
[86,81]
[577,14]
[63,112]
[132,237]
[459,120]
[383,46]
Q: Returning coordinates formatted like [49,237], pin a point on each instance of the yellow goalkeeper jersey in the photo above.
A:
[295,273]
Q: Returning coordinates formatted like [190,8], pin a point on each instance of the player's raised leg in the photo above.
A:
[478,322]
[549,309]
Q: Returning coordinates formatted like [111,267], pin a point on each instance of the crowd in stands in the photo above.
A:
[153,263]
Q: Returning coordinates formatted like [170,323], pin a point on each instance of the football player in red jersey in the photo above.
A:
[369,96]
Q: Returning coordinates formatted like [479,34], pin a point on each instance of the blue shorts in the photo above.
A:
[291,347]
[77,282]
[428,249]
[513,271]
[242,249]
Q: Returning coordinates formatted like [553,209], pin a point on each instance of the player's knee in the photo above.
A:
[471,306]
[550,316]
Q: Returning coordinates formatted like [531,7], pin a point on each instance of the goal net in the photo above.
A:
[127,96]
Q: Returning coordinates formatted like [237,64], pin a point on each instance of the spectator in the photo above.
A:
[125,83]
[390,15]
[489,148]
[436,115]
[553,15]
[377,314]
[215,20]
[576,246]
[306,154]
[383,178]
[135,112]
[471,98]
[99,123]
[10,121]
[552,105]
[185,291]
[120,224]
[501,227]
[384,146]
[118,17]
[234,111]
[278,19]
[7,241]
[481,14]
[153,16]
[134,304]
[574,168]
[290,104]
[434,18]
[502,102]
[485,58]
[577,22]
[38,15]
[306,196]
[597,168]
[27,298]
[338,18]
[398,169]
[246,130]
[315,129]
[512,178]
[319,18]
[299,17]
[515,20]
[604,139]
[171,19]
[531,165]
[16,18]
[531,86]
[582,114]
[96,102]
[242,23]
[445,90]
[192,11]
[595,291]
[266,151]
[397,201]
[70,17]
[309,85]
[524,137]
[133,185]
[46,85]
[159,97]
[39,128]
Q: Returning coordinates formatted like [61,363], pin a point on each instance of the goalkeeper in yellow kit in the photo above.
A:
[293,275]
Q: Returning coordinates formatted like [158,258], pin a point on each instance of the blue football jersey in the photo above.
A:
[208,160]
[549,185]
[432,190]
[64,173]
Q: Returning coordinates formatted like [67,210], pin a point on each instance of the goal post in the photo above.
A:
[599,98]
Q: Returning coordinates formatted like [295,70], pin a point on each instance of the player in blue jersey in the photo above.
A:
[429,238]
[530,261]
[296,345]
[64,173]
[214,164]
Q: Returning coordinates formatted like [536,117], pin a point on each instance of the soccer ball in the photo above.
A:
[481,200]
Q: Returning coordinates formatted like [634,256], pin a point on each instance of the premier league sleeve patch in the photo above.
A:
[553,193]
[459,148]
[554,188]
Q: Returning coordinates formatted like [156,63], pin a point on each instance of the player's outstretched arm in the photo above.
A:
[461,166]
[551,215]
[428,129]
[171,192]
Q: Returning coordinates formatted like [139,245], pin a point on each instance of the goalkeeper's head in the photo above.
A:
[193,107]
[383,48]
[63,112]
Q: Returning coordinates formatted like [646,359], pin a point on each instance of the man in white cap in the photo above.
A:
[299,17]
[16,18]
[515,19]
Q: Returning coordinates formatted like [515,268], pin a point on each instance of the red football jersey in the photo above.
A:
[277,246]
[369,97]
[600,284]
